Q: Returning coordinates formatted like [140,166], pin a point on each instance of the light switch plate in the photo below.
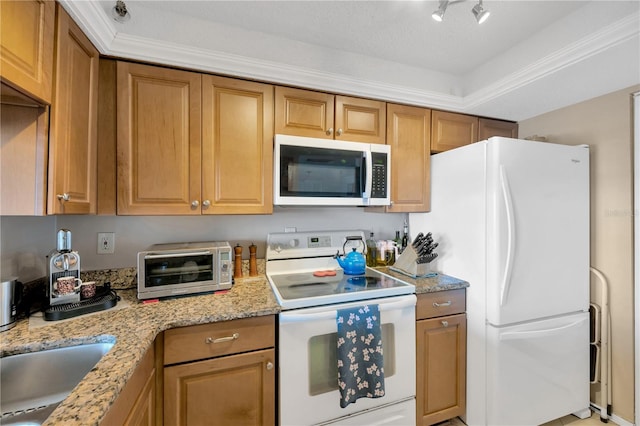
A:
[106,242]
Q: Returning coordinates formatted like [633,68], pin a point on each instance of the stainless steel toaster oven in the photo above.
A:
[184,268]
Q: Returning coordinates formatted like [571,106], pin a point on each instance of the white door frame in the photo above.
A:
[636,222]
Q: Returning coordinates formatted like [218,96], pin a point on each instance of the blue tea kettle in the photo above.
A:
[353,263]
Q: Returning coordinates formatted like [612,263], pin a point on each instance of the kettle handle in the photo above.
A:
[354,238]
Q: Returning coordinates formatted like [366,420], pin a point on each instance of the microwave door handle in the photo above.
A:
[368,170]
[163,256]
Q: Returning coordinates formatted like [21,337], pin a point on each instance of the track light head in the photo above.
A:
[480,13]
[438,15]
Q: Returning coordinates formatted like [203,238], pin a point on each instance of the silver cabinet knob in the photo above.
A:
[63,197]
[195,203]
[339,132]
[445,323]
[269,365]
[330,131]
[206,203]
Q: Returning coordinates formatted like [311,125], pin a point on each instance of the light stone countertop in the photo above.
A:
[134,329]
[439,282]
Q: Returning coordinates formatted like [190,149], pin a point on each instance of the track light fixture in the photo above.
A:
[478,10]
[438,15]
[120,12]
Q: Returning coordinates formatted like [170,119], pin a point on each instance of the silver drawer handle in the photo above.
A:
[445,323]
[437,305]
[269,365]
[209,340]
[63,197]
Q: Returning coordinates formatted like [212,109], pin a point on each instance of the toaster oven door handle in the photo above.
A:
[184,254]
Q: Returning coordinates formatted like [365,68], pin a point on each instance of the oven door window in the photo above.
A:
[323,362]
[178,270]
[321,172]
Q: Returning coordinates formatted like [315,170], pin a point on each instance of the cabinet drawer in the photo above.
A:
[440,303]
[216,339]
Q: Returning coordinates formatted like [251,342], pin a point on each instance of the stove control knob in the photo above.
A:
[294,242]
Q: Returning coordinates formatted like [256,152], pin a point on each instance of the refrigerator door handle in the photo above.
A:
[511,236]
[519,335]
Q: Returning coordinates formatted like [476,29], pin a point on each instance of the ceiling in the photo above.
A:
[528,58]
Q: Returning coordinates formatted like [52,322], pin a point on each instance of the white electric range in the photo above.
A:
[308,382]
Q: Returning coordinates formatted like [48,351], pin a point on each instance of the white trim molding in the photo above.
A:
[104,33]
[636,244]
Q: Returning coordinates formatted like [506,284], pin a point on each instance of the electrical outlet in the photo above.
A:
[106,242]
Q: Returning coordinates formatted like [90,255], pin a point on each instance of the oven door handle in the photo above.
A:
[293,316]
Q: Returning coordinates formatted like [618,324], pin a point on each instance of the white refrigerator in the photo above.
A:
[512,218]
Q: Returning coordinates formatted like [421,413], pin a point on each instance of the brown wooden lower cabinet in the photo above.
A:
[135,405]
[441,357]
[220,373]
[232,390]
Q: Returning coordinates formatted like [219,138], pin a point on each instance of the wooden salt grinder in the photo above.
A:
[253,266]
[237,272]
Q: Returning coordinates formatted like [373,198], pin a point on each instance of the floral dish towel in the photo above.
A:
[360,362]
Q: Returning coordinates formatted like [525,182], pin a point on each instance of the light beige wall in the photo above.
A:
[605,124]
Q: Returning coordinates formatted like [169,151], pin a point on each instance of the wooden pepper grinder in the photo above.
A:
[253,266]
[237,272]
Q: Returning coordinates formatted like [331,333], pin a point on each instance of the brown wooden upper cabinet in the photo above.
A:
[450,130]
[488,128]
[237,146]
[191,144]
[26,46]
[159,140]
[73,127]
[409,133]
[321,115]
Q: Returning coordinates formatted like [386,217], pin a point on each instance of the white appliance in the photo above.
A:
[324,172]
[307,362]
[512,218]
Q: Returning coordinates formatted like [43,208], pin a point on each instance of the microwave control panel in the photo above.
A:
[379,175]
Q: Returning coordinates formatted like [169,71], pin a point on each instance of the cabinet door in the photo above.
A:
[488,128]
[74,120]
[360,120]
[26,46]
[441,368]
[159,140]
[236,389]
[450,130]
[408,133]
[237,151]
[303,113]
[135,405]
[143,410]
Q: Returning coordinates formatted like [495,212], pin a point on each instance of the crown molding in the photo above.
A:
[93,21]
[600,41]
[105,35]
[162,52]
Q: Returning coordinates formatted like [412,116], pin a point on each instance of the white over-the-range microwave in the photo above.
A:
[325,172]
